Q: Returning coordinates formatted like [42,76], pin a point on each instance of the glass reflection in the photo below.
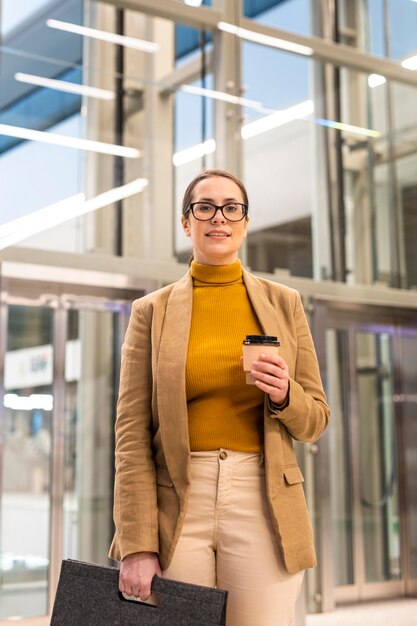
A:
[89,418]
[378,463]
[408,407]
[340,450]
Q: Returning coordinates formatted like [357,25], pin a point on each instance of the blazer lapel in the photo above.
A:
[172,401]
[267,315]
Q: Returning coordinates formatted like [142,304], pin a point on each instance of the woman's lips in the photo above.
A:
[217,233]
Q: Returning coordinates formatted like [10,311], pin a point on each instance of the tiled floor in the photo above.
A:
[388,613]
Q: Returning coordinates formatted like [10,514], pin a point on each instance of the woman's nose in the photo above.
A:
[218,217]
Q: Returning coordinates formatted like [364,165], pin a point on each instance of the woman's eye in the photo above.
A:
[231,208]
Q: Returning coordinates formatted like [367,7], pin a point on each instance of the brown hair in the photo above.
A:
[209,174]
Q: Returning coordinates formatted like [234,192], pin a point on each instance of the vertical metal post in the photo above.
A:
[354,424]
[397,263]
[227,76]
[327,27]
[322,593]
[404,467]
[120,323]
[60,324]
[203,98]
[118,177]
[3,347]
[119,173]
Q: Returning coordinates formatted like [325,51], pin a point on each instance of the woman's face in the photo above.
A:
[215,241]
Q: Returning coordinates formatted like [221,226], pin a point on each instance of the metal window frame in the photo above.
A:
[323,50]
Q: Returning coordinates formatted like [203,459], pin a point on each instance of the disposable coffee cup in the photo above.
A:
[252,348]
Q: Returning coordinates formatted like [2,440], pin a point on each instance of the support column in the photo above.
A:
[329,146]
[228,78]
[158,143]
[100,227]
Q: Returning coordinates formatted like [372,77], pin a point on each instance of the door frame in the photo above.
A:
[353,317]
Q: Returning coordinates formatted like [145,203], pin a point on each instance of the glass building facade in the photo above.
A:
[107,110]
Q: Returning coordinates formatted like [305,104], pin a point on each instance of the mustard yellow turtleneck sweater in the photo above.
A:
[223,411]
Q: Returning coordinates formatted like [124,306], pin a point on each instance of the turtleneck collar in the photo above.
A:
[216,274]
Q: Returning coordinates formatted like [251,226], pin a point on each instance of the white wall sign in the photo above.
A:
[30,367]
[33,367]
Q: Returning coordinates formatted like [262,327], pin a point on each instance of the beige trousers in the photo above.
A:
[228,541]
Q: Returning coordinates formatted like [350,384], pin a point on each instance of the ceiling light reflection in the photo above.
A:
[102,35]
[195,152]
[299,111]
[410,63]
[374,80]
[55,214]
[349,128]
[68,142]
[62,85]
[225,97]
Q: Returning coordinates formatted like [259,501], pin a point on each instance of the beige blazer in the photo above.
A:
[152,445]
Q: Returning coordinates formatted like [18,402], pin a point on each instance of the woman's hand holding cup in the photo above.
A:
[271,375]
[264,367]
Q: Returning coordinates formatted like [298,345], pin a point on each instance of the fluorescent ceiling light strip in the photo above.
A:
[410,63]
[225,97]
[15,402]
[121,40]
[46,215]
[69,142]
[115,195]
[374,80]
[193,153]
[299,111]
[355,130]
[62,85]
[67,209]
[266,40]
[197,3]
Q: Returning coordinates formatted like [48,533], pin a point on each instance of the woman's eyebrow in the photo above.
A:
[225,200]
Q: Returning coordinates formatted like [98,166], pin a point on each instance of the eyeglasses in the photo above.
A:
[232,212]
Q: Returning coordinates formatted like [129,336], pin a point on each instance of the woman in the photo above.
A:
[207,486]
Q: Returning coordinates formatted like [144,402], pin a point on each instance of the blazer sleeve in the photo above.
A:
[306,415]
[135,500]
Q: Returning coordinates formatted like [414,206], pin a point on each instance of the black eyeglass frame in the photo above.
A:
[220,208]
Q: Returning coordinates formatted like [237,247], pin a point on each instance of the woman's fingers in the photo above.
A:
[272,377]
[136,574]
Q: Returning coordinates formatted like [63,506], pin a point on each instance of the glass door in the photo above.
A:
[376,462]
[59,368]
[368,454]
[406,403]
[94,334]
[25,460]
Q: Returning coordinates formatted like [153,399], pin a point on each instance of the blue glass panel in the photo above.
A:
[41,108]
[187,40]
[291,15]
[252,8]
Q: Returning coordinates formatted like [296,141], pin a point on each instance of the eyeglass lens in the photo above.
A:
[233,212]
